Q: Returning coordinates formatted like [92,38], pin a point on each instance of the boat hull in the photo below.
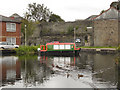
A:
[60,53]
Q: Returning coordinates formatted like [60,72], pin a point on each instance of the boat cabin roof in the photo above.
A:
[58,43]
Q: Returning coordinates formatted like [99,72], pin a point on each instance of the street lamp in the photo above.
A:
[74,35]
[25,35]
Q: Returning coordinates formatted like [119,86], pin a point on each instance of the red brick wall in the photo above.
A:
[4,68]
[18,69]
[16,34]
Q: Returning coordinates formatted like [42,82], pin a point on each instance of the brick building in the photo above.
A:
[10,30]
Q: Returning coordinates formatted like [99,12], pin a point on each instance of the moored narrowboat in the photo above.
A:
[59,49]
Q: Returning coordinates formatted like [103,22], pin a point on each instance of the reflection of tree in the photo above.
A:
[33,71]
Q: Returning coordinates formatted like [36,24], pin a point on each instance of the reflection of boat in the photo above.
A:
[59,61]
[59,49]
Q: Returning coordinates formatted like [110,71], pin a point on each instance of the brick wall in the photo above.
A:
[16,34]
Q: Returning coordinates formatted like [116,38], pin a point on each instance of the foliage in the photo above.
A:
[115,4]
[22,50]
[77,27]
[70,30]
[102,11]
[55,18]
[118,48]
[30,27]
[28,57]
[38,12]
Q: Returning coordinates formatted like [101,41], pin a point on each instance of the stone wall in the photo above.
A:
[62,32]
[102,33]
[106,32]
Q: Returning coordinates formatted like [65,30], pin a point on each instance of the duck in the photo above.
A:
[58,67]
[68,75]
[79,75]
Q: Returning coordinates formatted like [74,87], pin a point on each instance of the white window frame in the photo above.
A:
[11,40]
[11,27]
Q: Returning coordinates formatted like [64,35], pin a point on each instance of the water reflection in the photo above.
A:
[33,71]
[10,69]
[84,71]
[105,70]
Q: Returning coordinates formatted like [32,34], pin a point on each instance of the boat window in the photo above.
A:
[56,47]
[62,47]
[67,46]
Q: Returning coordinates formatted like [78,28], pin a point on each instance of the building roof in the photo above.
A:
[16,17]
[111,13]
[8,19]
[90,17]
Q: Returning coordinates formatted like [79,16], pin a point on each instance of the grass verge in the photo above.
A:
[97,47]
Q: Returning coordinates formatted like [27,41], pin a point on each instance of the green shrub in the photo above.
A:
[118,48]
[27,50]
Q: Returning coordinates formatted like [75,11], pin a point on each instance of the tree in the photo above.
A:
[102,11]
[37,12]
[55,18]
[116,5]
[30,27]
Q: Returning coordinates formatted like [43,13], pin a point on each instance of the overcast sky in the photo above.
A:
[69,10]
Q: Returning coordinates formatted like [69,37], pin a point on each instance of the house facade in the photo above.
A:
[106,28]
[10,30]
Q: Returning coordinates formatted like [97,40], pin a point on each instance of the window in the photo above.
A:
[11,74]
[11,40]
[56,47]
[3,43]
[61,46]
[10,27]
[67,46]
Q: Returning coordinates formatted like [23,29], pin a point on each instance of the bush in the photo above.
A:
[118,48]
[27,50]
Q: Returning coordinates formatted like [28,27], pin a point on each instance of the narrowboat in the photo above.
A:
[59,49]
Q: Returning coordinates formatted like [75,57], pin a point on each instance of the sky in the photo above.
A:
[69,10]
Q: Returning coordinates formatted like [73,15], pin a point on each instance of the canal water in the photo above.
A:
[84,71]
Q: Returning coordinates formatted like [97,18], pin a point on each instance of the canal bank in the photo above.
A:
[7,52]
[99,50]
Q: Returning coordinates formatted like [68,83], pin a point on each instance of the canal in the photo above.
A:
[85,71]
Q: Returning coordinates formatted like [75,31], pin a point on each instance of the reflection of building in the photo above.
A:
[10,69]
[105,68]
